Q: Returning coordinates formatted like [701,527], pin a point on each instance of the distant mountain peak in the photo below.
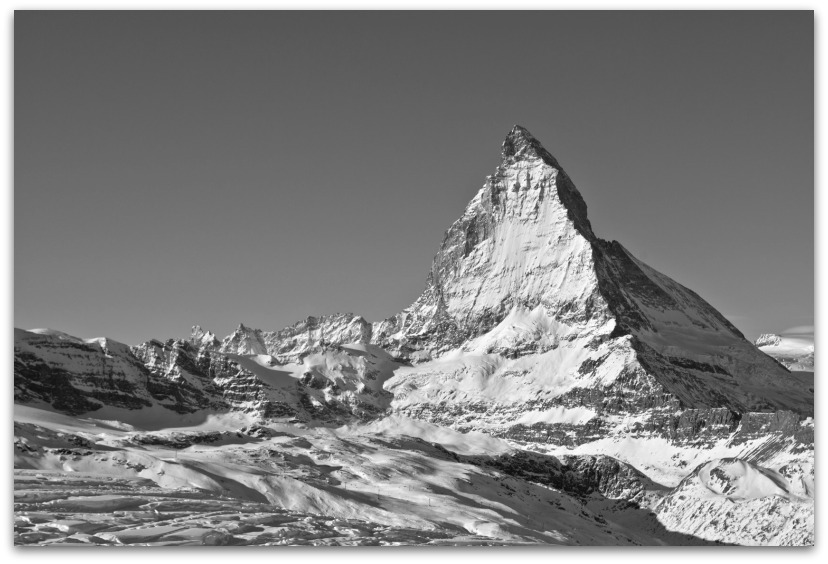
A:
[202,337]
[768,340]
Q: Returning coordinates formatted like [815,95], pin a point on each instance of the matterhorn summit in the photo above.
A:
[523,242]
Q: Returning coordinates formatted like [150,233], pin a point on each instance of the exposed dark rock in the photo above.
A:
[577,475]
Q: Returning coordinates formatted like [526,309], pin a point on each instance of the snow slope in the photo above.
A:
[392,481]
[375,485]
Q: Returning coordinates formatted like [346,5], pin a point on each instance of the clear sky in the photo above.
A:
[181,168]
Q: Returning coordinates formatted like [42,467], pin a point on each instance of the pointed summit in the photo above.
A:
[520,144]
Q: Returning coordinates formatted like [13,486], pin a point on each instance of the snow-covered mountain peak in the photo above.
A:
[521,273]
[768,339]
[528,169]
[523,242]
[203,338]
[244,340]
[794,350]
[520,144]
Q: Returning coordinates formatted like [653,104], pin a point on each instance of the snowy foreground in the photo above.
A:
[227,481]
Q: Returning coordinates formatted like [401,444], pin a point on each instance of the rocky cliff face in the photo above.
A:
[78,376]
[180,366]
[332,386]
[577,475]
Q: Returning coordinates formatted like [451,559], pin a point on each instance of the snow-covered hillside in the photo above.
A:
[233,480]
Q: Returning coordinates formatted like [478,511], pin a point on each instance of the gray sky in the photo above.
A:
[179,168]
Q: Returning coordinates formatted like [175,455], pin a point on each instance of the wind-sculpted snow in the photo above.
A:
[737,501]
[282,484]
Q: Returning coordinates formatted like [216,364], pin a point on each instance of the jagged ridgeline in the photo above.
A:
[529,327]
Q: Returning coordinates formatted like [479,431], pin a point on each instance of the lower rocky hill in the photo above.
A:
[76,376]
